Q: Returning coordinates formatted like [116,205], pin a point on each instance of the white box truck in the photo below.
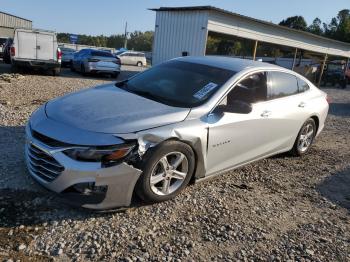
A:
[35,49]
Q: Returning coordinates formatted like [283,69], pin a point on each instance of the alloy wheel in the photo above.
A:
[169,173]
[305,138]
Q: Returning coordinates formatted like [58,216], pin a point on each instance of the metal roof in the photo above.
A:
[16,16]
[216,9]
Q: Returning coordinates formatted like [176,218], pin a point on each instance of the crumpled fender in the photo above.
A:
[193,132]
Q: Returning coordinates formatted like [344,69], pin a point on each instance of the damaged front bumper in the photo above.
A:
[84,183]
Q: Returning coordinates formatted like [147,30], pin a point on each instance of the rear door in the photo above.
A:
[285,109]
[26,45]
[45,46]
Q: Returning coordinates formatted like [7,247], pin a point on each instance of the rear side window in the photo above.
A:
[302,85]
[282,84]
[101,53]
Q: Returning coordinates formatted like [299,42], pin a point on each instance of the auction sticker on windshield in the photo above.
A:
[205,90]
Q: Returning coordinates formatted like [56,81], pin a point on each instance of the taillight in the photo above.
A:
[13,51]
[59,54]
[93,60]
[117,61]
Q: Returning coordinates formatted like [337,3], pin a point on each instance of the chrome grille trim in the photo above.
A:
[42,164]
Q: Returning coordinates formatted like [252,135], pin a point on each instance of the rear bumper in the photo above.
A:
[118,181]
[40,64]
[95,68]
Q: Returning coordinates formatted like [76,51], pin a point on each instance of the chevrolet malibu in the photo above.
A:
[184,120]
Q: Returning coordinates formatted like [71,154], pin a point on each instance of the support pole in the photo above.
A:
[126,36]
[295,58]
[255,48]
[346,65]
[322,70]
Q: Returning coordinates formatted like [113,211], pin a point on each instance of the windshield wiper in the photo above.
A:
[148,95]
[122,84]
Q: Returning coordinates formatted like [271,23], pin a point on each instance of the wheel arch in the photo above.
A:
[199,170]
[317,121]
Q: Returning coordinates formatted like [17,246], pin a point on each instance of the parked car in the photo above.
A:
[7,51]
[133,58]
[67,56]
[36,49]
[93,61]
[188,118]
[335,74]
[2,43]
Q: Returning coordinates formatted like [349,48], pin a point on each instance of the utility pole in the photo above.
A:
[126,36]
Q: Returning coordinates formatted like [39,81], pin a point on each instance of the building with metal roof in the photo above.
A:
[9,22]
[181,31]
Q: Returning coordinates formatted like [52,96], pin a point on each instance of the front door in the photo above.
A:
[235,138]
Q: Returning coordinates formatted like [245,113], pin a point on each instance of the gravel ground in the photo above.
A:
[278,209]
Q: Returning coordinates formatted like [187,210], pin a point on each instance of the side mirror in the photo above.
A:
[236,106]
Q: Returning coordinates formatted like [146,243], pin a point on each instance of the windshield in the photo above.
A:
[177,83]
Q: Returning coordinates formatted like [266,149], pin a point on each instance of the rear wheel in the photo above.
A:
[56,71]
[82,70]
[305,138]
[139,64]
[167,169]
[115,75]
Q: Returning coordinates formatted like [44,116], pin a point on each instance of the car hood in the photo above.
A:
[108,109]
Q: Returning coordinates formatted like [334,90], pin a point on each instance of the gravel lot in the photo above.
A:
[278,209]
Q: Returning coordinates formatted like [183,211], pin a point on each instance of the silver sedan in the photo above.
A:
[90,61]
[184,120]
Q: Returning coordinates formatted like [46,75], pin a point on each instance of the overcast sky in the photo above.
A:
[109,16]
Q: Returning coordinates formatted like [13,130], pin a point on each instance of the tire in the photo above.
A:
[14,69]
[56,71]
[115,75]
[153,167]
[139,64]
[82,70]
[298,149]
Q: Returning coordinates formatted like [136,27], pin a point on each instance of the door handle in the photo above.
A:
[266,114]
[302,104]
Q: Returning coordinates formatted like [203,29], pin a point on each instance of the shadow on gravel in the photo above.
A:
[340,109]
[336,188]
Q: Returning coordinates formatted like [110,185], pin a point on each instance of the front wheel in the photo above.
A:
[139,64]
[305,138]
[167,169]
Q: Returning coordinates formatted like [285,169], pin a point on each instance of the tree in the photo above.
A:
[315,27]
[295,22]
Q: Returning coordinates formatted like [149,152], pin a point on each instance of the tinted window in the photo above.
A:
[178,83]
[282,84]
[302,85]
[252,89]
[101,53]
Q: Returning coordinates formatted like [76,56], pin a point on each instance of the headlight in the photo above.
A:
[100,154]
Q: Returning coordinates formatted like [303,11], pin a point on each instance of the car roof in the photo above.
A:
[230,63]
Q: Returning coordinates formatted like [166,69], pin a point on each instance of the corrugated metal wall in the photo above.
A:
[178,32]
[9,22]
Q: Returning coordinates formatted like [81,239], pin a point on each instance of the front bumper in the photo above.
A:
[119,180]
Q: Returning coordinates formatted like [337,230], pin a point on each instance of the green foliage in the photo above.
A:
[141,41]
[338,28]
[295,22]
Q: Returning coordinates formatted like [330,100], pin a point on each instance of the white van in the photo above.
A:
[133,58]
[36,49]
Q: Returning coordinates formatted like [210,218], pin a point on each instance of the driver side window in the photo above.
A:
[251,89]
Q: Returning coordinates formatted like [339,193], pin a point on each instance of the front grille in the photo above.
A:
[42,164]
